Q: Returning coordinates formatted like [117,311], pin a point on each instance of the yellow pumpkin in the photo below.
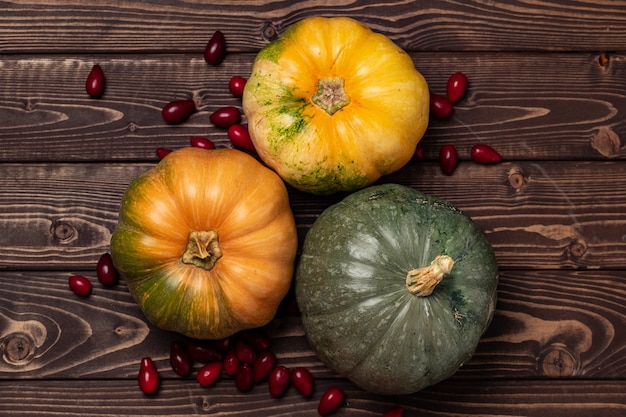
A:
[332,106]
[206,242]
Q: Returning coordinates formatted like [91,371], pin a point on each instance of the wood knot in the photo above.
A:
[606,142]
[63,232]
[204,403]
[17,349]
[603,59]
[558,362]
[577,249]
[269,32]
[516,178]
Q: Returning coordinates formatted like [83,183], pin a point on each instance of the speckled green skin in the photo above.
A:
[358,314]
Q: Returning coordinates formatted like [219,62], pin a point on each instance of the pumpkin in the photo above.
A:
[395,288]
[206,241]
[333,106]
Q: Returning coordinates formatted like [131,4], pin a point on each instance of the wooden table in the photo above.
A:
[547,90]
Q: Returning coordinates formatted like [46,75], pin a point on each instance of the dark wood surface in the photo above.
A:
[547,89]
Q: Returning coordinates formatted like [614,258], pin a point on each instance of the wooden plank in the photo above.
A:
[178,26]
[59,216]
[551,107]
[184,397]
[548,324]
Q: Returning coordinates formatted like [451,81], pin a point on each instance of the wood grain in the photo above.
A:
[448,399]
[62,215]
[105,335]
[31,26]
[557,106]
[547,90]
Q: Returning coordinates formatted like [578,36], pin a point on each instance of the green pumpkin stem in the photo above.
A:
[331,95]
[203,249]
[422,281]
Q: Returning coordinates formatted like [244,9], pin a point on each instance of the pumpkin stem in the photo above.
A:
[203,249]
[422,281]
[330,95]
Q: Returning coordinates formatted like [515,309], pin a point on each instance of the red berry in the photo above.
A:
[200,142]
[163,152]
[225,344]
[331,400]
[448,159]
[80,285]
[209,373]
[244,379]
[302,379]
[236,85]
[180,360]
[485,154]
[263,365]
[395,412]
[231,363]
[456,87]
[240,137]
[215,49]
[245,352]
[440,106]
[257,339]
[95,82]
[204,352]
[178,111]
[418,155]
[105,270]
[148,377]
[278,381]
[225,116]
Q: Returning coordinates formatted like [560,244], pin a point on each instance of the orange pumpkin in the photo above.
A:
[206,242]
[333,106]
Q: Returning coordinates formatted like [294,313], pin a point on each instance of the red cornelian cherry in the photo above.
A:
[485,154]
[418,155]
[231,363]
[263,365]
[209,374]
[395,412]
[180,360]
[245,352]
[162,152]
[257,339]
[440,106]
[148,377]
[225,344]
[105,270]
[278,381]
[236,85]
[244,379]
[215,49]
[95,82]
[80,285]
[201,142]
[448,159]
[178,111]
[225,116]
[302,380]
[203,352]
[240,137]
[456,86]
[331,400]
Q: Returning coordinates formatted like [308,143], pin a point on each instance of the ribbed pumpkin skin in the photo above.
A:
[373,135]
[195,189]
[357,312]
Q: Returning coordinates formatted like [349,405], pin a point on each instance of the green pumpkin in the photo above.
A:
[395,288]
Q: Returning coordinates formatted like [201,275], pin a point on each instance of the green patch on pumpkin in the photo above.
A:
[326,181]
